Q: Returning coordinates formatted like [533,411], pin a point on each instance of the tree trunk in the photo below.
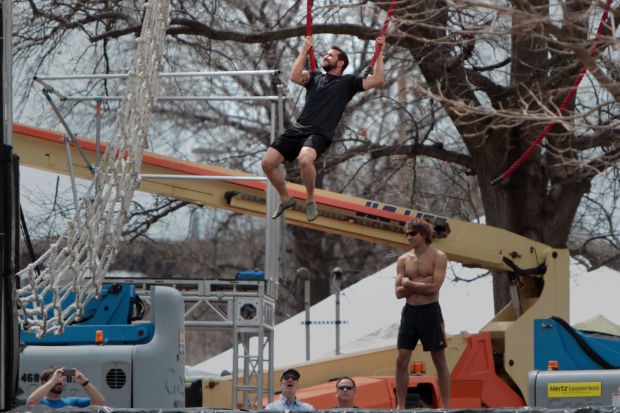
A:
[539,200]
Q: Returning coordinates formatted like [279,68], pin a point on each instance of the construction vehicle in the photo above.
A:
[117,350]
[488,369]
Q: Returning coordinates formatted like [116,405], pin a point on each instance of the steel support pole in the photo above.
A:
[307,308]
[9,222]
[304,274]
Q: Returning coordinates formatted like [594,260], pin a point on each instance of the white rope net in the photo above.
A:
[55,289]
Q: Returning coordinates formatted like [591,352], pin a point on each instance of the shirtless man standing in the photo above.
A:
[420,273]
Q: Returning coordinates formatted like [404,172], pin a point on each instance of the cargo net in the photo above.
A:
[55,288]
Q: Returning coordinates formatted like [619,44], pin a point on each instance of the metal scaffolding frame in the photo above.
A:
[248,307]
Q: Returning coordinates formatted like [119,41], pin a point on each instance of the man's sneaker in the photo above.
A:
[283,207]
[311,211]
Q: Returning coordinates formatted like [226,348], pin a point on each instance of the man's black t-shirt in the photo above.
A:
[326,98]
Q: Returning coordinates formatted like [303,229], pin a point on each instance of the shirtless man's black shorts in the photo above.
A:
[424,323]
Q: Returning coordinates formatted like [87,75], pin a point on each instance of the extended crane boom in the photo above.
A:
[340,214]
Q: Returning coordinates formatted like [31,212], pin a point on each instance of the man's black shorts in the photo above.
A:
[424,323]
[291,141]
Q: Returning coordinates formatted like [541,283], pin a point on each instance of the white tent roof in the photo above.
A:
[370,314]
[599,324]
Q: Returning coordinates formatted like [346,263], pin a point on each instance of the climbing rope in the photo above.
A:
[386,23]
[560,110]
[309,33]
[377,47]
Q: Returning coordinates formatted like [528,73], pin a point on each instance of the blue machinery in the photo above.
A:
[123,366]
[116,351]
[113,314]
[588,366]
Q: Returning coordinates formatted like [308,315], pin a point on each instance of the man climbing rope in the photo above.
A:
[327,95]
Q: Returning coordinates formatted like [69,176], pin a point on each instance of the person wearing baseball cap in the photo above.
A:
[289,383]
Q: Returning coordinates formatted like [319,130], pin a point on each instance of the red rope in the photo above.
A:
[383,30]
[309,33]
[377,47]
[560,110]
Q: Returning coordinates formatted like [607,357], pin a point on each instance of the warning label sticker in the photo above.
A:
[574,389]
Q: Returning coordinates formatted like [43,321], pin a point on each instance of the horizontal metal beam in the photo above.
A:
[268,72]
